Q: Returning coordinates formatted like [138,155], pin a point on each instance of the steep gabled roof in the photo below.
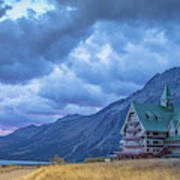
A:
[131,108]
[160,117]
[166,93]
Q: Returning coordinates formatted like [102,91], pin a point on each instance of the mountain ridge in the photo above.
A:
[76,137]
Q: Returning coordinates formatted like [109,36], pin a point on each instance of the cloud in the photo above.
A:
[3,8]
[120,63]
[5,132]
[30,42]
[20,106]
[82,55]
[37,102]
[114,10]
[30,47]
[67,89]
[19,62]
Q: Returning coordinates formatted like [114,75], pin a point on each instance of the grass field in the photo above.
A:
[13,172]
[8,168]
[124,170]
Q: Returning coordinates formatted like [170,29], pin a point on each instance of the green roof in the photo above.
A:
[158,117]
[155,111]
[149,114]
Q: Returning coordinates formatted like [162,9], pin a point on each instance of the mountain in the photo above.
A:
[75,137]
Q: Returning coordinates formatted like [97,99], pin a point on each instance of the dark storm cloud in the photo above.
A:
[18,61]
[29,43]
[29,47]
[126,9]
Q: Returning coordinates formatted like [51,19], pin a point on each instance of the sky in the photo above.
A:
[60,57]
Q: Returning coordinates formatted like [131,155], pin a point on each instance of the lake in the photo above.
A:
[8,162]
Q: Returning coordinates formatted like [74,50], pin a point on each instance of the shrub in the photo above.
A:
[93,160]
[59,160]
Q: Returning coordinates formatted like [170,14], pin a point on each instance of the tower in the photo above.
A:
[166,99]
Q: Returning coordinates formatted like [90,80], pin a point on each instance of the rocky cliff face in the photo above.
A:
[76,137]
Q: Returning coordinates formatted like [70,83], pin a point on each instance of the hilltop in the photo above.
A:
[76,137]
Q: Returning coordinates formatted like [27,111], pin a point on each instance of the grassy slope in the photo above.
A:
[15,174]
[129,170]
[8,168]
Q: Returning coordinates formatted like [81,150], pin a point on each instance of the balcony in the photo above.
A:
[133,138]
[134,146]
[134,118]
[135,123]
[173,146]
[156,137]
[172,141]
[132,130]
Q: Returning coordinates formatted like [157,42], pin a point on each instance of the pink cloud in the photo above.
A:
[5,132]
[8,127]
[46,114]
[79,101]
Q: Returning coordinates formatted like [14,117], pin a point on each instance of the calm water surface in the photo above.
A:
[5,162]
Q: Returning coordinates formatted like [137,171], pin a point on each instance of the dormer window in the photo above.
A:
[178,128]
[157,116]
[176,132]
[149,115]
[172,130]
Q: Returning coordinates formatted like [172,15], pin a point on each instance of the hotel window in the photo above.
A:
[149,115]
[178,128]
[172,130]
[157,116]
[176,133]
[155,142]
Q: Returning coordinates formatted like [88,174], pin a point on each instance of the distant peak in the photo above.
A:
[70,117]
[73,115]
[172,69]
[32,126]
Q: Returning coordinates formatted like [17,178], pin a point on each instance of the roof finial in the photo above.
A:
[166,98]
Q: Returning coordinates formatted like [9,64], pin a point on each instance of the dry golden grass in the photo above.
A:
[8,168]
[15,174]
[124,170]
